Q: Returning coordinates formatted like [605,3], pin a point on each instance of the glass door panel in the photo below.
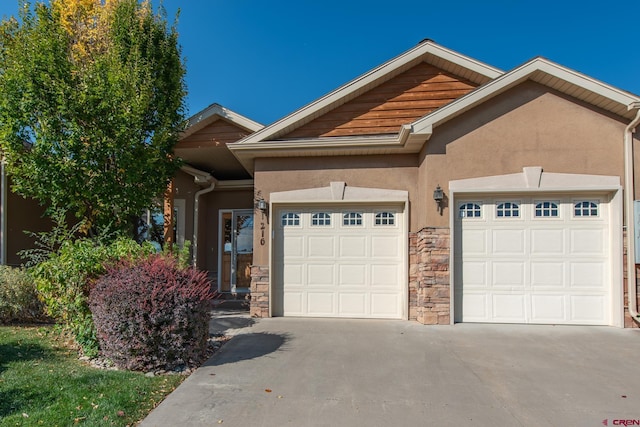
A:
[243,251]
[226,246]
[236,248]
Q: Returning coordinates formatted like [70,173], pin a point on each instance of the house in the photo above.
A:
[434,188]
[211,198]
[16,215]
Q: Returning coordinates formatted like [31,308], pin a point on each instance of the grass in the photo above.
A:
[42,383]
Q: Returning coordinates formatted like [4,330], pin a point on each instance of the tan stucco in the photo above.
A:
[526,126]
[393,172]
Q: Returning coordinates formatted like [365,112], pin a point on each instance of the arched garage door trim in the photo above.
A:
[532,182]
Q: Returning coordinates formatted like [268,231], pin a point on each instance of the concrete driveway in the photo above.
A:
[326,372]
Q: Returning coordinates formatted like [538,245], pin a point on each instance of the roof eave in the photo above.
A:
[205,117]
[402,142]
[533,70]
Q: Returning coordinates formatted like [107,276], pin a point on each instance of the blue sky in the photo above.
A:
[265,59]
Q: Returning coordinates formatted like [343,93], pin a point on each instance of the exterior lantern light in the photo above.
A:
[438,195]
[262,205]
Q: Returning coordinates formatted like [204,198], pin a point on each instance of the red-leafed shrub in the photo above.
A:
[151,314]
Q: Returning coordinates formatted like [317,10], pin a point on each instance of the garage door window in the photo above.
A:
[290,219]
[546,210]
[351,219]
[508,210]
[585,209]
[470,210]
[321,219]
[385,218]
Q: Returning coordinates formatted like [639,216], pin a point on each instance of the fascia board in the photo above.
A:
[247,152]
[366,79]
[586,82]
[398,141]
[200,177]
[465,61]
[305,144]
[426,124]
[239,184]
[206,116]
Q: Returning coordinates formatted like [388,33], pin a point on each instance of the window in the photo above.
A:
[150,226]
[470,210]
[352,218]
[290,218]
[385,218]
[508,210]
[546,210]
[321,218]
[585,208]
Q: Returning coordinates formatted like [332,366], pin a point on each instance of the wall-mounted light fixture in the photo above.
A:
[262,205]
[438,195]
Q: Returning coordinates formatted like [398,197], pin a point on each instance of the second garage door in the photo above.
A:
[334,261]
[543,259]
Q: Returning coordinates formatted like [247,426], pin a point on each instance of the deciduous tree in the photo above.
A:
[91,105]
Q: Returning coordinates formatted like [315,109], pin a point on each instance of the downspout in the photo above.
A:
[3,213]
[196,203]
[629,219]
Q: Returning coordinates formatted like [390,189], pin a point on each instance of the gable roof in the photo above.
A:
[545,72]
[214,112]
[204,142]
[411,137]
[426,51]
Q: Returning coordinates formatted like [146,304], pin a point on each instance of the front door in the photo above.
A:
[236,248]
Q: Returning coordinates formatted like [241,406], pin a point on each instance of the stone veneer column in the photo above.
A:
[429,287]
[259,306]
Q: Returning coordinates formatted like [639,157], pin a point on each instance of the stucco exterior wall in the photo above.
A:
[393,172]
[527,126]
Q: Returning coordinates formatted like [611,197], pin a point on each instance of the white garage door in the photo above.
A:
[339,262]
[533,260]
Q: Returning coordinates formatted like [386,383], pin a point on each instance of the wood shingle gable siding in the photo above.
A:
[382,110]
[216,134]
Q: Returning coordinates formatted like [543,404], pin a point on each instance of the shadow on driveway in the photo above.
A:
[248,346]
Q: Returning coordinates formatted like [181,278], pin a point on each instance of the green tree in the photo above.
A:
[91,105]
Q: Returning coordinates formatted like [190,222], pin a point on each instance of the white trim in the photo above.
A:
[348,194]
[220,248]
[237,184]
[404,142]
[549,183]
[513,78]
[521,182]
[208,115]
[199,177]
[181,206]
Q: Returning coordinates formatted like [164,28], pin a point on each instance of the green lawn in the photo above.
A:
[42,382]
